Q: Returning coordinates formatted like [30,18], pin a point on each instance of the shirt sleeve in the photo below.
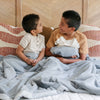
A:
[51,41]
[25,41]
[43,42]
[83,45]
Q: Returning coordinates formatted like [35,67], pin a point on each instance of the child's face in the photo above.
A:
[39,28]
[64,27]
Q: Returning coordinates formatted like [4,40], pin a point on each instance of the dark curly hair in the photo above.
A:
[30,22]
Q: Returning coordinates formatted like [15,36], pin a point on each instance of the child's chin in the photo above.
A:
[61,31]
[41,31]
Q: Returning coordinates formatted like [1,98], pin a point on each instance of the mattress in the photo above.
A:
[70,96]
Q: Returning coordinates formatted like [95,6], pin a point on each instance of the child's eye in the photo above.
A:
[62,24]
[40,24]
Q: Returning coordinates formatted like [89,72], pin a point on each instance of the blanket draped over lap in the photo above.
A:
[48,77]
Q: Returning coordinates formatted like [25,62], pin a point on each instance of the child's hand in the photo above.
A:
[35,61]
[74,56]
[29,61]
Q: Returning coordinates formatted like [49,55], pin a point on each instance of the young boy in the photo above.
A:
[31,48]
[32,42]
[68,35]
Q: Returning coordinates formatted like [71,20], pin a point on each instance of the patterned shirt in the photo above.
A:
[32,43]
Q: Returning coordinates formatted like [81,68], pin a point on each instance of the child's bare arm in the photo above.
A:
[20,54]
[48,53]
[68,61]
[41,55]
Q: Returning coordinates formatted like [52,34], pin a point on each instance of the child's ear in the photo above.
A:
[73,28]
[32,31]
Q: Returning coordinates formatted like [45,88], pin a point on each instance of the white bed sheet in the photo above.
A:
[70,96]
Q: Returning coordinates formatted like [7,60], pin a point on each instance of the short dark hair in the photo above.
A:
[72,18]
[29,22]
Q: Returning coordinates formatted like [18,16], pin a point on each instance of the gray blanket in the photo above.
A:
[65,51]
[48,77]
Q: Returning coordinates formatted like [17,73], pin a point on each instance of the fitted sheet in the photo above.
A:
[70,96]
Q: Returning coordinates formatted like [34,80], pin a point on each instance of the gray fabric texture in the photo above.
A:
[65,51]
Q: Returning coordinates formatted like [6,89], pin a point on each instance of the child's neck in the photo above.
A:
[34,34]
[69,36]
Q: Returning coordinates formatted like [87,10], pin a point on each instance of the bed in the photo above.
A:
[10,37]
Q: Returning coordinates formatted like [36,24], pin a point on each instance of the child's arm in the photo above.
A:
[48,53]
[20,54]
[68,61]
[41,55]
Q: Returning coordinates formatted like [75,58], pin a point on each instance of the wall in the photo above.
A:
[50,11]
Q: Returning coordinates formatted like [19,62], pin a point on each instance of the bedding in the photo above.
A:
[34,83]
[65,51]
[69,96]
[93,35]
[10,37]
[37,83]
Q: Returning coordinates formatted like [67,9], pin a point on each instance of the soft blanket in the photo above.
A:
[65,51]
[48,77]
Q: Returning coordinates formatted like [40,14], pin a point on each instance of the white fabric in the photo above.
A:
[97,58]
[69,96]
[32,43]
[62,41]
[3,29]
[6,44]
[84,28]
[92,43]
